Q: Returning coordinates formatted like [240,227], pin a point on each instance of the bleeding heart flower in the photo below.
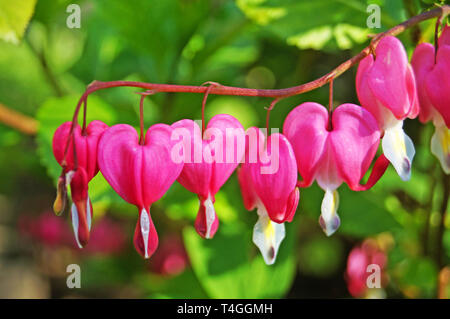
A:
[336,154]
[140,174]
[77,172]
[386,87]
[433,85]
[209,162]
[268,179]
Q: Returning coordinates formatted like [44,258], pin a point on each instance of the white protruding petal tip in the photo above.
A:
[399,150]
[88,212]
[440,146]
[267,236]
[210,216]
[75,224]
[329,220]
[145,230]
[69,176]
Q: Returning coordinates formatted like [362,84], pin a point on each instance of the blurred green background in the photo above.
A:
[45,67]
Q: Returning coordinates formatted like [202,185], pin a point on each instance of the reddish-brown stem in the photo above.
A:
[205,97]
[83,131]
[141,120]
[330,101]
[436,36]
[269,109]
[330,105]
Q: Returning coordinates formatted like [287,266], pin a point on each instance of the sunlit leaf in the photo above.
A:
[14,18]
[239,272]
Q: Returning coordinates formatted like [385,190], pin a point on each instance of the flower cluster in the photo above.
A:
[327,146]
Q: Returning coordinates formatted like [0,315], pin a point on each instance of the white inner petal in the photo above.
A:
[267,235]
[145,229]
[399,150]
[75,224]
[69,176]
[210,216]
[88,212]
[329,219]
[440,146]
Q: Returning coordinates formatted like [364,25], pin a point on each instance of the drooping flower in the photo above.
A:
[209,162]
[433,84]
[78,170]
[386,87]
[140,174]
[268,179]
[334,154]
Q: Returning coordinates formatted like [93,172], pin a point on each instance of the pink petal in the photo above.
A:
[140,174]
[81,208]
[423,62]
[196,173]
[86,146]
[233,148]
[437,84]
[145,246]
[203,226]
[306,129]
[275,187]
[444,39]
[354,141]
[365,95]
[388,77]
[246,186]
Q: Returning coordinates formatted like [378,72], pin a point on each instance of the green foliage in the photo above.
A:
[320,24]
[229,266]
[14,18]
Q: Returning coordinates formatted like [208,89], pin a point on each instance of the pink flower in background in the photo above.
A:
[433,86]
[171,258]
[46,228]
[272,192]
[386,87]
[77,173]
[333,154]
[107,237]
[359,259]
[139,173]
[209,162]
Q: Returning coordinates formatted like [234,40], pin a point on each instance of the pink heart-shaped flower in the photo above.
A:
[77,173]
[268,180]
[140,174]
[332,155]
[386,84]
[209,162]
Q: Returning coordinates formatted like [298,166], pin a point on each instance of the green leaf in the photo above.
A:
[314,24]
[14,18]
[240,272]
[417,277]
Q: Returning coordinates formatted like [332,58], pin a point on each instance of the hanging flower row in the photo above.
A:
[327,146]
